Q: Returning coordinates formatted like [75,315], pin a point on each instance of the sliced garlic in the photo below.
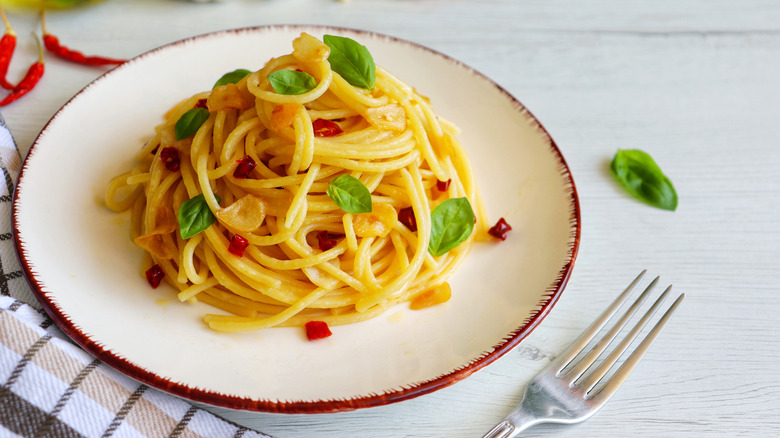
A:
[378,223]
[391,117]
[245,214]
[436,295]
[227,97]
[283,115]
[307,48]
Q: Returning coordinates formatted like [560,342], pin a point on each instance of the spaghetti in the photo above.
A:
[251,212]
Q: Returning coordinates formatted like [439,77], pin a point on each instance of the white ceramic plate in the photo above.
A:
[84,269]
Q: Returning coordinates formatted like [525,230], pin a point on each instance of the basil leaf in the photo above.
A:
[231,77]
[195,216]
[351,60]
[639,175]
[189,122]
[292,82]
[350,194]
[452,222]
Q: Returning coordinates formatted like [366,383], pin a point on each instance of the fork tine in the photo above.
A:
[583,364]
[625,369]
[593,378]
[551,397]
[576,347]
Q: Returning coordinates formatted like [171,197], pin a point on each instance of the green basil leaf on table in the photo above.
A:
[195,216]
[232,77]
[290,82]
[351,60]
[452,222]
[638,173]
[350,194]
[189,122]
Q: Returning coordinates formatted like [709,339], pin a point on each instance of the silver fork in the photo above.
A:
[570,389]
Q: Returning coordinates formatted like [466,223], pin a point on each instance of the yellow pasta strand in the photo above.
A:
[280,251]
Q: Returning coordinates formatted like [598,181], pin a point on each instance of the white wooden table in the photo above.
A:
[694,83]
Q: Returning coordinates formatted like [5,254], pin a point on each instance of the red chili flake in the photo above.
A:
[326,242]
[245,165]
[201,103]
[443,186]
[500,229]
[237,245]
[325,128]
[317,330]
[154,276]
[170,157]
[406,217]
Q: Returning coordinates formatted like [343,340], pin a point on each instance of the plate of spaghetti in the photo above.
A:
[296,219]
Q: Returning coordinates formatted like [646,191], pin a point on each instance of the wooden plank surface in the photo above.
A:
[694,83]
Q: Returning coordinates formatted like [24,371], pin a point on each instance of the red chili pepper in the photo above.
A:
[237,245]
[154,276]
[317,330]
[325,241]
[442,186]
[29,80]
[325,128]
[7,47]
[500,229]
[245,165]
[53,45]
[170,157]
[201,103]
[406,217]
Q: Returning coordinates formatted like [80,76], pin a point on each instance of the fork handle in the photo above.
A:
[517,421]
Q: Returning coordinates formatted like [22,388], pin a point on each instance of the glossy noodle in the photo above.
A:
[271,244]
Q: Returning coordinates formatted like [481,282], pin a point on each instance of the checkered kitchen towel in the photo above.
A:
[49,387]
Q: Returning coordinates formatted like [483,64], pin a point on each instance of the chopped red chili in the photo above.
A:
[30,79]
[326,243]
[325,128]
[201,103]
[154,276]
[406,217]
[237,245]
[245,166]
[317,330]
[53,45]
[443,186]
[7,47]
[500,229]
[170,157]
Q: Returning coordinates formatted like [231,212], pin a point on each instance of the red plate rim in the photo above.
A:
[551,296]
